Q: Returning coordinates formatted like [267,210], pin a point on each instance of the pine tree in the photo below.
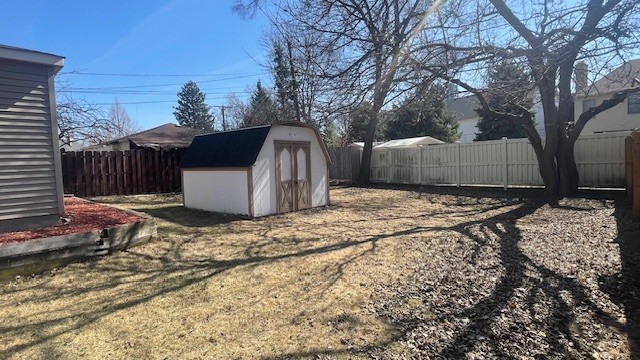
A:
[508,88]
[192,110]
[283,83]
[262,109]
[423,114]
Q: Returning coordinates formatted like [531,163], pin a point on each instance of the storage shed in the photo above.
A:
[413,142]
[257,171]
[30,172]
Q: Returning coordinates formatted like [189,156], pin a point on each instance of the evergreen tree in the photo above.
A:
[283,83]
[357,124]
[423,114]
[508,91]
[192,111]
[262,109]
[330,135]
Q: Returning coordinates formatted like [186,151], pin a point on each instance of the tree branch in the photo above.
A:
[584,118]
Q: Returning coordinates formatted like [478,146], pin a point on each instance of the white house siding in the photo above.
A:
[467,128]
[29,185]
[216,190]
[612,120]
[264,172]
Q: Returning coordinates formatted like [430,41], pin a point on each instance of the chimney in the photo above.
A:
[581,72]
[452,90]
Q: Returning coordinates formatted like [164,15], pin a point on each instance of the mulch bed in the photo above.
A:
[80,216]
[535,282]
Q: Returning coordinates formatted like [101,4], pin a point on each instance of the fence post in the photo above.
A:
[636,174]
[628,159]
[459,158]
[388,165]
[505,165]
[420,164]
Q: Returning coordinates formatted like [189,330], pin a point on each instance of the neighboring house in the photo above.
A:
[463,109]
[30,171]
[622,117]
[257,171]
[166,137]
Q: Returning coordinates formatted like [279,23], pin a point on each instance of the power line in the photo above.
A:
[151,75]
[146,92]
[163,101]
[162,85]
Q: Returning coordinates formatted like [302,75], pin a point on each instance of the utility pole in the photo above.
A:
[224,120]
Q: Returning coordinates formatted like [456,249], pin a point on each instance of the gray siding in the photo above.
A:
[27,161]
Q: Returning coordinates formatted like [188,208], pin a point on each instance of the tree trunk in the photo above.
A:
[567,169]
[365,162]
[549,174]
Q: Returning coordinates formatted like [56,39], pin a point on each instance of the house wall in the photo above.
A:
[613,120]
[264,171]
[30,178]
[216,190]
[538,113]
[467,128]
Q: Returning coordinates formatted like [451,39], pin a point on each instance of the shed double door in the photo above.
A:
[293,175]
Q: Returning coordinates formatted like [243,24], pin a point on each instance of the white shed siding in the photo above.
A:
[216,190]
[28,184]
[264,172]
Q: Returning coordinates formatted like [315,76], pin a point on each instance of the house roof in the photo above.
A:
[410,142]
[32,56]
[165,136]
[619,79]
[235,148]
[463,107]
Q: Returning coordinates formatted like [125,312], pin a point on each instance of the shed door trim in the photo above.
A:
[293,194]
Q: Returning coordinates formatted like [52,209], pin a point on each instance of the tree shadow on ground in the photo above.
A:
[190,217]
[141,275]
[526,287]
[624,287]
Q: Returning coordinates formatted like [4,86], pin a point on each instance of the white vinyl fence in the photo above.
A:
[506,162]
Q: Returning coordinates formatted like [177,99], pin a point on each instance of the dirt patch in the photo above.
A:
[381,273]
[80,216]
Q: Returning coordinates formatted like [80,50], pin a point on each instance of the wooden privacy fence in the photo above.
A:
[632,155]
[343,160]
[100,173]
[506,162]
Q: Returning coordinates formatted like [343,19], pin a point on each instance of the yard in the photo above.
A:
[380,273]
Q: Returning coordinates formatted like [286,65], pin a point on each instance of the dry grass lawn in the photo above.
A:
[316,284]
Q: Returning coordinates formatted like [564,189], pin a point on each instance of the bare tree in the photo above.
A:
[237,112]
[359,48]
[548,38]
[120,123]
[79,121]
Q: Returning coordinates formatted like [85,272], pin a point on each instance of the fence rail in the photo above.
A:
[100,173]
[507,162]
[632,164]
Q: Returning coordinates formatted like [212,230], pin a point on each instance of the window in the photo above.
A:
[588,104]
[633,103]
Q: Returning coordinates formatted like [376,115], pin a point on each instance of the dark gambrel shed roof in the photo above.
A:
[237,148]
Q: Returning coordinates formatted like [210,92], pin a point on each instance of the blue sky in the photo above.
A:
[117,39]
